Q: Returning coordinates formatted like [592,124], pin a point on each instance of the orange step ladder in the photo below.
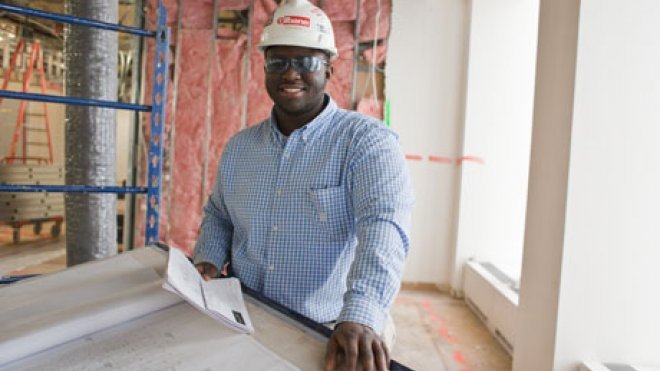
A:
[25,129]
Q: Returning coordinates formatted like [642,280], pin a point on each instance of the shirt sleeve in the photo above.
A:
[382,199]
[216,232]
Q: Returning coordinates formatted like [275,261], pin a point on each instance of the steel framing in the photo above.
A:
[157,109]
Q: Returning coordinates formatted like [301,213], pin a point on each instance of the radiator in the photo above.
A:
[494,299]
[599,366]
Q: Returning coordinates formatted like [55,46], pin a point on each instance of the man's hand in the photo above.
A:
[354,342]
[207,270]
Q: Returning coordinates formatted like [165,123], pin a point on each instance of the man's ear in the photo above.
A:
[329,71]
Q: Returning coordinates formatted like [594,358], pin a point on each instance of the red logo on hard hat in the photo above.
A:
[292,20]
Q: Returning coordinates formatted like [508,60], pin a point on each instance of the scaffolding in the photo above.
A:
[157,110]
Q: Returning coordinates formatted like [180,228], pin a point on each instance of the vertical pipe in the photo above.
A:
[137,93]
[209,101]
[169,155]
[356,51]
[91,72]
[246,66]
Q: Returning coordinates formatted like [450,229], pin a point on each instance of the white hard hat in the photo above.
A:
[300,23]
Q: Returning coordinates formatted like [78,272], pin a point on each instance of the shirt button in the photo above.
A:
[271,267]
[279,191]
[275,227]
[286,156]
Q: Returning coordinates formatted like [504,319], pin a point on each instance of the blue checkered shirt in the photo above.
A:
[318,221]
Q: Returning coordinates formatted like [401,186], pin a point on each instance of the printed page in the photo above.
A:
[177,338]
[224,297]
[53,309]
[183,279]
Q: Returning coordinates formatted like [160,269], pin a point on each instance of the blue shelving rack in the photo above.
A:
[157,109]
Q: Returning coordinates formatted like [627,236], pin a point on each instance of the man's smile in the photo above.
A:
[288,91]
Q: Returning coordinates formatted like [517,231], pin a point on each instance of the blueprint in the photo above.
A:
[114,315]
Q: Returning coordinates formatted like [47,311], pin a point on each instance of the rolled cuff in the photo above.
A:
[209,255]
[364,311]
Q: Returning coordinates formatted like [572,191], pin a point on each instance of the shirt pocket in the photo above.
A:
[332,211]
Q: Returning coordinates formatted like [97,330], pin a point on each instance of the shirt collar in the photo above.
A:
[312,129]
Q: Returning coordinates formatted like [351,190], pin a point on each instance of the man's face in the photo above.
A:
[295,91]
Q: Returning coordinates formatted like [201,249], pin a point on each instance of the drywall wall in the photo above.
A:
[498,124]
[425,83]
[590,277]
[609,300]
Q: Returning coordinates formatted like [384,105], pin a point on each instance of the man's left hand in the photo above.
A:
[356,344]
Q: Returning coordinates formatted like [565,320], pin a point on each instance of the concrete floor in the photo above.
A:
[438,332]
[434,330]
[35,254]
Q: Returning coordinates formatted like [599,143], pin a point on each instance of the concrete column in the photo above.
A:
[91,72]
[589,288]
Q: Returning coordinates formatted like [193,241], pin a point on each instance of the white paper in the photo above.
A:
[177,339]
[46,311]
[224,297]
[183,279]
[220,299]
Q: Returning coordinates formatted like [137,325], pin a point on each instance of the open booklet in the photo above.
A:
[220,299]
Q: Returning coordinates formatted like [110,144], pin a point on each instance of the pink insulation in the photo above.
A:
[340,11]
[370,106]
[234,4]
[377,57]
[227,99]
[228,90]
[259,103]
[197,14]
[369,23]
[339,86]
[191,111]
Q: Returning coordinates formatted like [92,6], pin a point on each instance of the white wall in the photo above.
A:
[425,81]
[590,276]
[498,122]
[610,286]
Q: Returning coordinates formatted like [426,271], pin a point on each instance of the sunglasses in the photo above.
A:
[305,64]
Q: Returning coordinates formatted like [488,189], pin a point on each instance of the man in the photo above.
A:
[313,204]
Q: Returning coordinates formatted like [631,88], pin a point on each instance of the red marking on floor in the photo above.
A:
[414,157]
[444,333]
[434,317]
[440,159]
[476,159]
[425,304]
[459,358]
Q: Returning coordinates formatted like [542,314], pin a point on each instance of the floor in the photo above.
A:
[35,254]
[434,330]
[438,332]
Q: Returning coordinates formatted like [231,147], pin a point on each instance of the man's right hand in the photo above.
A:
[207,270]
